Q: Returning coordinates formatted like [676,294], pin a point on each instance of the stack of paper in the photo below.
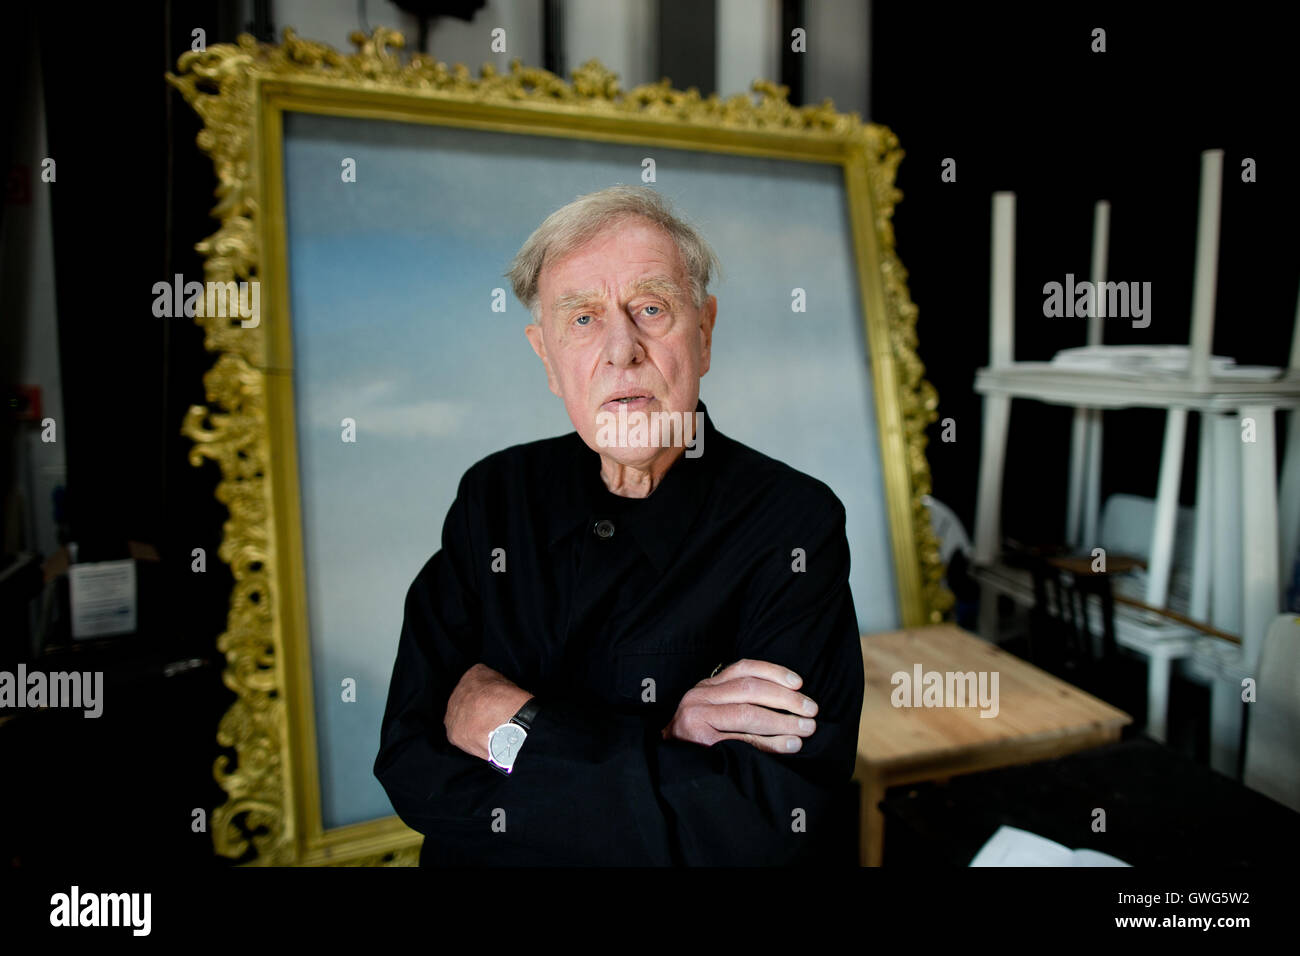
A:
[1152,360]
[1135,358]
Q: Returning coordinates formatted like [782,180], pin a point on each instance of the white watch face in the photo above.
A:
[504,744]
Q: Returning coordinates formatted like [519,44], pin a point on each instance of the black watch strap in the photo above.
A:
[527,713]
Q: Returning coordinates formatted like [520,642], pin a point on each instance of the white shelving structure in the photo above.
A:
[1244,544]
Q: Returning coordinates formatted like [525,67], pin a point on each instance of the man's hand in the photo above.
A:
[481,702]
[743,702]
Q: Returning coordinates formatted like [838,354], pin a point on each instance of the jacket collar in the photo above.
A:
[658,523]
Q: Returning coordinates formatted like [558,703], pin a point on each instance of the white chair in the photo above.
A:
[1273,725]
[948,529]
[1126,526]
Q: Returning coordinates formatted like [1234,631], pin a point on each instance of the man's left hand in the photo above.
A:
[481,702]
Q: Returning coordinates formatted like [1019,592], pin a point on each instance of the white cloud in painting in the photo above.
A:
[380,411]
[417,419]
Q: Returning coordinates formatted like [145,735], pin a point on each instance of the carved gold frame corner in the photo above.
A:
[240,92]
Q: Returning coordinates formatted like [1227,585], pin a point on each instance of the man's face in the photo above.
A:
[618,327]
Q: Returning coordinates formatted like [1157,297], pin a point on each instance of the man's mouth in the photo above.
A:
[630,401]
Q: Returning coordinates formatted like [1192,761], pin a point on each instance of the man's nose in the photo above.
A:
[622,342]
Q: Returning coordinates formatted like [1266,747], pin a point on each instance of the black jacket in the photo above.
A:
[733,555]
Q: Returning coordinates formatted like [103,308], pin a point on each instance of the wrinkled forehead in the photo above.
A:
[628,252]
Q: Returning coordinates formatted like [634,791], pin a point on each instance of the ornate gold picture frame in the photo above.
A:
[243,93]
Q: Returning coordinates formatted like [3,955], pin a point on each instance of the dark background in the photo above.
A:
[1022,104]
[1017,99]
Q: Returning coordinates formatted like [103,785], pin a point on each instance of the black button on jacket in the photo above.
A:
[609,609]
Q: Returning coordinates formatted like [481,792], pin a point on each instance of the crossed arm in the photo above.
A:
[753,701]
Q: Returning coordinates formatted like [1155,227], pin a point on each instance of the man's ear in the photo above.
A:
[708,315]
[536,339]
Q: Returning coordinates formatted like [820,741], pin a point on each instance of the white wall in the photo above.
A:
[622,34]
[748,44]
[838,61]
[450,40]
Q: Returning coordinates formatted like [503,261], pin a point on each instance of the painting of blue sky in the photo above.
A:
[392,281]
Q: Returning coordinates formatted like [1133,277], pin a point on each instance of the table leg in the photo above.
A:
[1092,487]
[871,822]
[1204,547]
[1226,530]
[1289,499]
[988,507]
[1162,535]
[1158,667]
[1078,467]
[993,451]
[1259,535]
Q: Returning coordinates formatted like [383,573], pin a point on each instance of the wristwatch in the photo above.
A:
[504,742]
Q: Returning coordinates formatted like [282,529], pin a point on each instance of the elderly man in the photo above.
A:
[636,645]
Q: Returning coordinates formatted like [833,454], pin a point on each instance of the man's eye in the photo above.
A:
[652,310]
[583,320]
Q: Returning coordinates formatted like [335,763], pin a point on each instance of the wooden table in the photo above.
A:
[1038,717]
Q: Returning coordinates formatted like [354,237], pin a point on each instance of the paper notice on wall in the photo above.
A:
[102,595]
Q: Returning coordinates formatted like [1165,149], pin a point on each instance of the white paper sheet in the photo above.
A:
[1010,846]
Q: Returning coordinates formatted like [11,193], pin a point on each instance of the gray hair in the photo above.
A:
[566,229]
